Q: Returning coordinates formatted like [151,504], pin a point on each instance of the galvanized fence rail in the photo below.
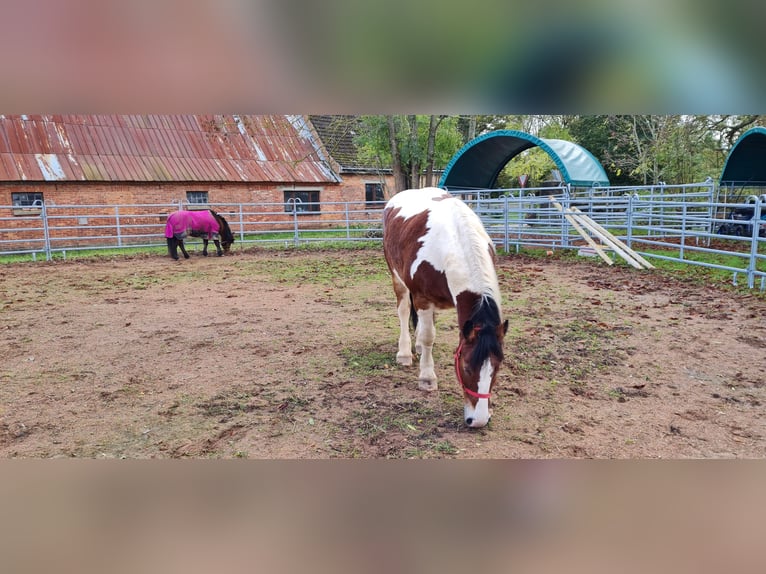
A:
[685,224]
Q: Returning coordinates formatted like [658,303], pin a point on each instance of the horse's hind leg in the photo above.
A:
[425,334]
[404,354]
[218,249]
[183,249]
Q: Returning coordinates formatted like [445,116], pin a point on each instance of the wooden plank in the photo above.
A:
[582,232]
[604,232]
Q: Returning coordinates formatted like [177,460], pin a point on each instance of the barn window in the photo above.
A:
[196,196]
[301,201]
[27,203]
[373,194]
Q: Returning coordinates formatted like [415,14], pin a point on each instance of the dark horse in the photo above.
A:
[440,257]
[206,224]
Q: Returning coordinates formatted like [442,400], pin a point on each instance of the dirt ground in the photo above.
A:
[291,354]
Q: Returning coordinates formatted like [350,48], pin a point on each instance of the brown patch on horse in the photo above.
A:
[402,253]
[428,280]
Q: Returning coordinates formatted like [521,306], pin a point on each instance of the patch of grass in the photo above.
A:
[409,429]
[327,271]
[227,405]
[445,447]
[293,403]
[369,360]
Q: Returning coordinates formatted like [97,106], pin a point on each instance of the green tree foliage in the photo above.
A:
[644,149]
[633,149]
[411,140]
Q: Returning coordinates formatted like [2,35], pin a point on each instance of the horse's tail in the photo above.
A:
[413,313]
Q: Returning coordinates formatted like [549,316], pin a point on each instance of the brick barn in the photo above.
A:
[160,159]
[362,178]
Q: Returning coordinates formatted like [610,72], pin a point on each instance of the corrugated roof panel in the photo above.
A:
[158,148]
[5,146]
[15,138]
[50,166]
[8,170]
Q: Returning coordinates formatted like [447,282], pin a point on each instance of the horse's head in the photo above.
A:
[227,237]
[477,362]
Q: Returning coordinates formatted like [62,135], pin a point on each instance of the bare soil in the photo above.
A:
[291,354]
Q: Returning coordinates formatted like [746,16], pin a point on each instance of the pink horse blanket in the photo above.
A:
[194,223]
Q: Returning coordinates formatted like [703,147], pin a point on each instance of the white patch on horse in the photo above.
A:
[480,414]
[445,248]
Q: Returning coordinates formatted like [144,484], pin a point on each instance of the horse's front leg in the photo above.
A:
[204,247]
[425,334]
[173,247]
[218,249]
[183,248]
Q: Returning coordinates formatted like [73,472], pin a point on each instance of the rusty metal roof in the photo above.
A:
[204,148]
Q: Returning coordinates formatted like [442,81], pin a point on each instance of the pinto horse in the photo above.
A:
[440,257]
[206,224]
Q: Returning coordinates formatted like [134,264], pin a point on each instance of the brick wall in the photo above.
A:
[86,210]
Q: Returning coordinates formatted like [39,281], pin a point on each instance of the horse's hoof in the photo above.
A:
[186,257]
[405,360]
[220,254]
[427,385]
[204,253]
[175,258]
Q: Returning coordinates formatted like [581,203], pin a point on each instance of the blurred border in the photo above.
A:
[338,56]
[382,516]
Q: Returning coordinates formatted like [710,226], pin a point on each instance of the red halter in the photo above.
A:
[459,376]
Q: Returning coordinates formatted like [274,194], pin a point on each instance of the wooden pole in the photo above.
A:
[580,230]
[604,232]
[588,224]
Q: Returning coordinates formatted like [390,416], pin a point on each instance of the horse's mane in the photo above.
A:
[482,266]
[225,230]
[485,315]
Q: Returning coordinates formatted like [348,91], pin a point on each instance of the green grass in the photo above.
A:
[368,266]
[369,360]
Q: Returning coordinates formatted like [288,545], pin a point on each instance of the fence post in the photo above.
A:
[348,223]
[295,201]
[505,222]
[117,222]
[241,226]
[629,222]
[46,231]
[754,243]
[712,198]
[564,223]
[683,232]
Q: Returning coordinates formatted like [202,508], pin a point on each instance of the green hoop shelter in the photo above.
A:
[746,163]
[479,162]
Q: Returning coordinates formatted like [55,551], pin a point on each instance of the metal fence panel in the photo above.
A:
[683,223]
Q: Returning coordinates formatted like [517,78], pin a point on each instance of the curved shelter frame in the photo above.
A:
[746,163]
[478,163]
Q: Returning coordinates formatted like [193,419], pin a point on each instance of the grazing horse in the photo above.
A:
[440,257]
[206,224]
